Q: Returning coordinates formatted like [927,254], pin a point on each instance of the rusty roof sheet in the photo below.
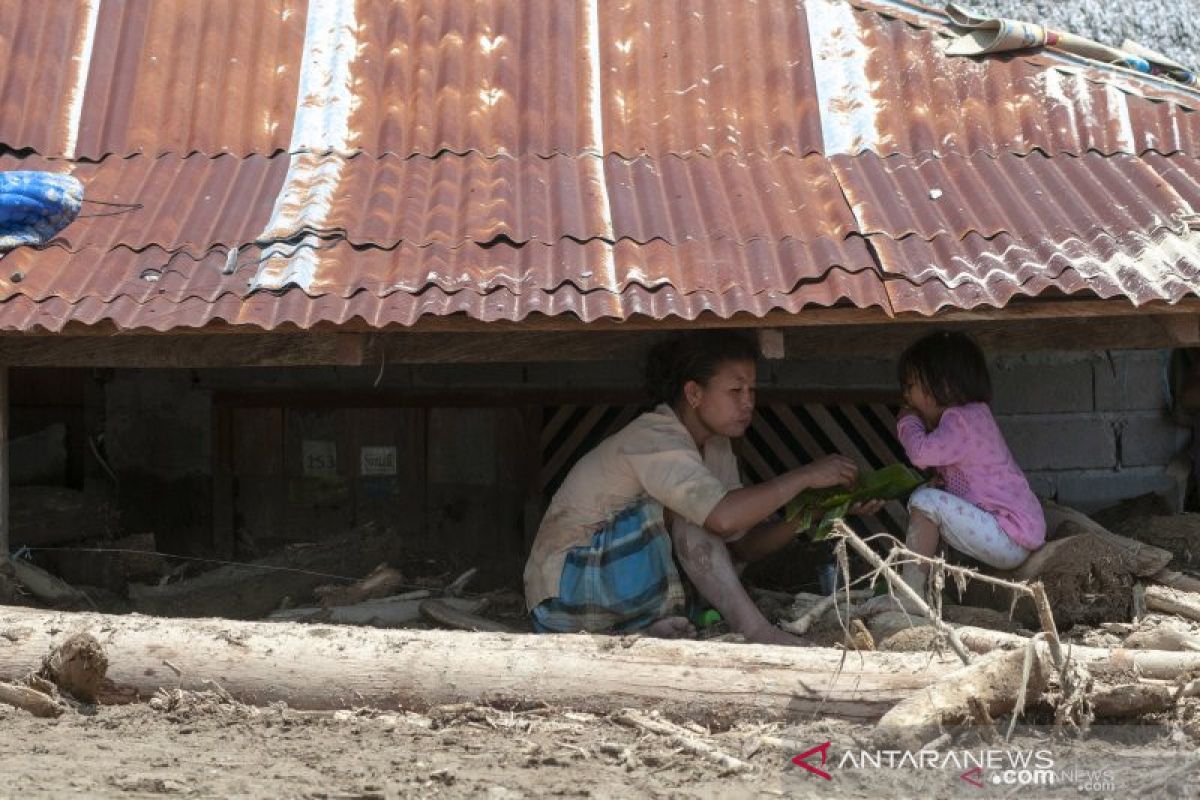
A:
[901,196]
[519,77]
[300,161]
[200,202]
[722,267]
[979,271]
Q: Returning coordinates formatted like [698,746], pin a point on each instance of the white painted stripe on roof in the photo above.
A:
[1118,107]
[325,101]
[592,20]
[847,106]
[1074,93]
[83,67]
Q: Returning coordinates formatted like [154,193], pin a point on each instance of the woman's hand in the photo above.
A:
[834,470]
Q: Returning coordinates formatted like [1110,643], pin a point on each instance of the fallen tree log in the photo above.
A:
[1173,601]
[328,667]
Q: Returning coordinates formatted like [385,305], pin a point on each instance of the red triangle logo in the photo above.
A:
[802,760]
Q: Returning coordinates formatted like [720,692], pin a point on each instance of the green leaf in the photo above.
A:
[823,506]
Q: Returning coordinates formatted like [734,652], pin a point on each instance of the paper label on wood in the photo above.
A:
[377,461]
[320,458]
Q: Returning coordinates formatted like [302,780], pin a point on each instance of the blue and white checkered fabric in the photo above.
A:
[623,581]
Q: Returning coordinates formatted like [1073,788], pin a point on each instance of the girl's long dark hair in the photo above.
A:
[693,357]
[950,367]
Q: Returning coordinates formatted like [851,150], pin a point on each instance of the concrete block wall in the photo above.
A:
[1093,449]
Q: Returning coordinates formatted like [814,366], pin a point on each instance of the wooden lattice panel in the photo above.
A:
[782,436]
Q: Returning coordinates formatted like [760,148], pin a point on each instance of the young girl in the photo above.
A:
[984,507]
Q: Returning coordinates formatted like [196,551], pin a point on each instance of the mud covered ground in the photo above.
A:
[204,746]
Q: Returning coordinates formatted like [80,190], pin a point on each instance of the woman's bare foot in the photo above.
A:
[769,634]
[671,628]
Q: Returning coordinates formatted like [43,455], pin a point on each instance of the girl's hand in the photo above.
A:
[835,470]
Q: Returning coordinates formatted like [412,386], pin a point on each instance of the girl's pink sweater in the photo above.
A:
[970,454]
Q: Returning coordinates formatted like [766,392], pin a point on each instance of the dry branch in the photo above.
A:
[897,584]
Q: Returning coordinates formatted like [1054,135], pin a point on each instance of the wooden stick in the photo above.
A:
[681,738]
[897,583]
[801,625]
[1042,603]
[455,588]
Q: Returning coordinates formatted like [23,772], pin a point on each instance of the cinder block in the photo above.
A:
[1054,441]
[848,374]
[1042,385]
[1134,380]
[1044,484]
[1150,440]
[1092,490]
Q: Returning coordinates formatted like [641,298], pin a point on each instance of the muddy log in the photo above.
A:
[330,667]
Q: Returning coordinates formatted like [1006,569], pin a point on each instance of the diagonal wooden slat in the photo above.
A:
[567,449]
[555,424]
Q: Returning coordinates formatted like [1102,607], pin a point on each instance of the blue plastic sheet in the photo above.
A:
[34,206]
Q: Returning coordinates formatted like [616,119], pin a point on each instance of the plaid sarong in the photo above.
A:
[622,582]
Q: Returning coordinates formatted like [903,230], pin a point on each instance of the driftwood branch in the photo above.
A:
[897,584]
[683,739]
[33,701]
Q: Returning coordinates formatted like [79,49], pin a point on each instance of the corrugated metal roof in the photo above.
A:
[926,196]
[594,267]
[979,271]
[201,202]
[307,161]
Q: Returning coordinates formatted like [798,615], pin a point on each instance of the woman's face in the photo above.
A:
[726,403]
